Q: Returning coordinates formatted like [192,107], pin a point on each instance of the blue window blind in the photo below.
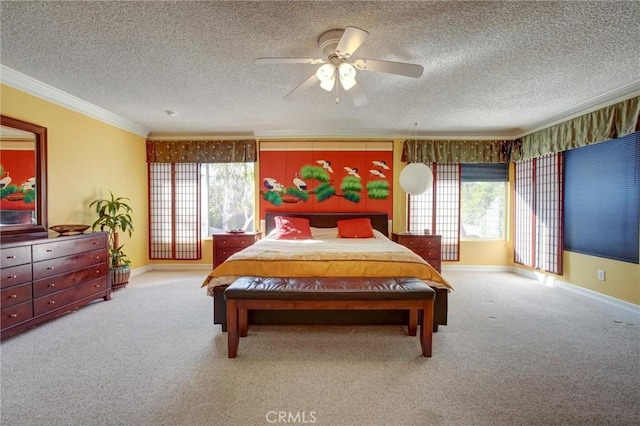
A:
[602,199]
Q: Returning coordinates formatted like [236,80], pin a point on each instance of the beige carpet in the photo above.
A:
[515,352]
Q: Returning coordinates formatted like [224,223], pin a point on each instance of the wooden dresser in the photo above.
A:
[425,245]
[47,277]
[225,244]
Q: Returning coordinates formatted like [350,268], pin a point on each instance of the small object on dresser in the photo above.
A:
[69,229]
[236,231]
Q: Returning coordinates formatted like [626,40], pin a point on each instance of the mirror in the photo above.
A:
[23,178]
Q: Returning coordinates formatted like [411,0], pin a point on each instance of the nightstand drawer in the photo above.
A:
[419,241]
[428,247]
[226,244]
[427,254]
[234,241]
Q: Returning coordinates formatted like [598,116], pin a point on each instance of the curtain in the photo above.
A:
[232,151]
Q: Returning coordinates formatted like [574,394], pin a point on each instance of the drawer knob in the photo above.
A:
[51,285]
[49,250]
[52,302]
[50,268]
[95,243]
[13,296]
[96,257]
[98,286]
[10,277]
[11,257]
[14,315]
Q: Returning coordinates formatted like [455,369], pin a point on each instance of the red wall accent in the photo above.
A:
[282,167]
[20,167]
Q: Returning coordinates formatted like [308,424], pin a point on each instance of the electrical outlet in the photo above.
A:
[601,274]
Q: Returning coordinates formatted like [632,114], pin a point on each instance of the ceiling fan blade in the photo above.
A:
[312,61]
[350,41]
[295,93]
[357,95]
[399,68]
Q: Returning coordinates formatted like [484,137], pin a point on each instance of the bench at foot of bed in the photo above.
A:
[248,293]
[330,317]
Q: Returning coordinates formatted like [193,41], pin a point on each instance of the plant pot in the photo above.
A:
[119,277]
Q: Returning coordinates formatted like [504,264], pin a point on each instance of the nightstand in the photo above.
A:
[225,244]
[425,245]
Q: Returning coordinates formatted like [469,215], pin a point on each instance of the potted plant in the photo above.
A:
[114,215]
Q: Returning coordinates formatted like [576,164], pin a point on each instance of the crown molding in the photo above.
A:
[34,87]
[620,94]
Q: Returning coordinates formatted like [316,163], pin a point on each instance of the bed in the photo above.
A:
[325,255]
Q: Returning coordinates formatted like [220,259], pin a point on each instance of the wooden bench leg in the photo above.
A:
[233,337]
[426,331]
[244,322]
[413,322]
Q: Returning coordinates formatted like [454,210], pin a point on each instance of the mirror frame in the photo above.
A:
[39,229]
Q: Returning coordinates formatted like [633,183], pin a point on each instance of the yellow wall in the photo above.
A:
[86,159]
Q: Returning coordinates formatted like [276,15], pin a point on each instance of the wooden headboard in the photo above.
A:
[379,221]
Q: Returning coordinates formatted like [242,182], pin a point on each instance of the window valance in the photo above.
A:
[611,122]
[205,151]
[450,151]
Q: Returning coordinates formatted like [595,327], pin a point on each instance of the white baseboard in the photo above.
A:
[476,268]
[623,304]
[548,280]
[180,267]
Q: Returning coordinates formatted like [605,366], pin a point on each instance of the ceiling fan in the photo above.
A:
[338,46]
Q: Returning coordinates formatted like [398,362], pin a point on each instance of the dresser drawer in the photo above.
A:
[53,267]
[56,249]
[13,256]
[15,275]
[17,313]
[14,295]
[60,282]
[60,299]
[240,241]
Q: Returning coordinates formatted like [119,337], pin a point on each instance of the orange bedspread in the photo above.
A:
[313,263]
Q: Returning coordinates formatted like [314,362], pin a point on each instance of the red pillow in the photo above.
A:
[292,228]
[355,228]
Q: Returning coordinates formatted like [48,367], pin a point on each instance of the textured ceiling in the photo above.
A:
[491,69]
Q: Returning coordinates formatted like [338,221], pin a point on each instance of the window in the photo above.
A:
[484,191]
[466,201]
[228,197]
[174,218]
[188,201]
[438,210]
[538,213]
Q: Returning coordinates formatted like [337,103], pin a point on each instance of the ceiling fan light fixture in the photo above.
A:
[347,83]
[326,75]
[326,72]
[328,84]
